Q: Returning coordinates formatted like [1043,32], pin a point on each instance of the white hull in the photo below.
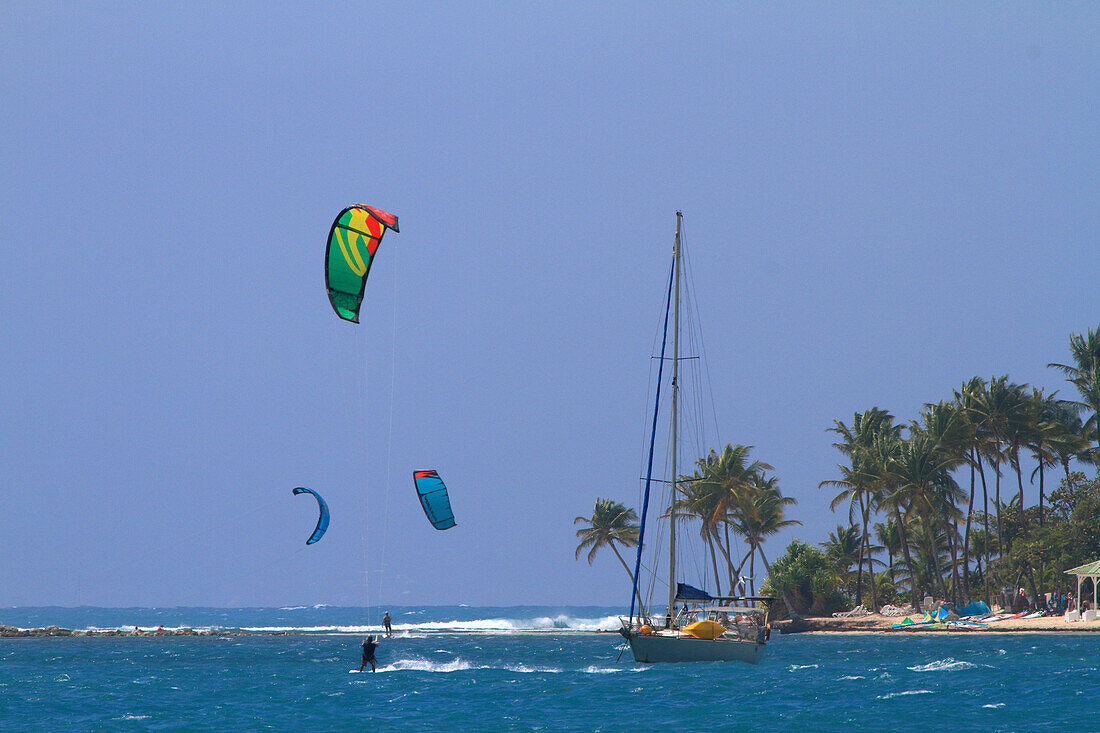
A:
[653,648]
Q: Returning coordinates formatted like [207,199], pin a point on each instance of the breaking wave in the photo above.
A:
[537,624]
[943,665]
[903,694]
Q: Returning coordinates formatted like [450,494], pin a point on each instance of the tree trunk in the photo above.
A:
[725,554]
[985,521]
[859,557]
[637,593]
[714,564]
[908,557]
[997,501]
[1041,497]
[729,565]
[966,536]
[1020,484]
[1041,564]
[752,574]
[782,593]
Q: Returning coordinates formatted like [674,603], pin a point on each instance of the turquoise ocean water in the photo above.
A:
[487,669]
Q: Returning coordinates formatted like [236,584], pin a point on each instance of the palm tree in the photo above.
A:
[723,478]
[1084,374]
[975,400]
[611,524]
[923,488]
[844,548]
[705,501]
[757,514]
[999,408]
[858,484]
[1069,441]
[971,446]
[947,425]
[887,534]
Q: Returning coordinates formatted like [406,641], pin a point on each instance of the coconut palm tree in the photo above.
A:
[705,501]
[1069,440]
[971,447]
[844,548]
[611,524]
[887,534]
[859,485]
[975,400]
[1084,374]
[947,425]
[725,478]
[757,514]
[923,488]
[999,408]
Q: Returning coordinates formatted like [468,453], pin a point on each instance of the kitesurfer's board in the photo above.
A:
[962,623]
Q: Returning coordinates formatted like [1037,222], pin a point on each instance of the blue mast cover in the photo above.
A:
[434,499]
[322,520]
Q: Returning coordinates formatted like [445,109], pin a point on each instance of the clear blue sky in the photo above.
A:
[881,201]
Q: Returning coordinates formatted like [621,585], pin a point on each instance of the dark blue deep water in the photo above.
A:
[545,678]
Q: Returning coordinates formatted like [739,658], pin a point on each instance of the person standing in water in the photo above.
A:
[387,624]
[369,645]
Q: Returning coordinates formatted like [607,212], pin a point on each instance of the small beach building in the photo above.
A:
[1092,572]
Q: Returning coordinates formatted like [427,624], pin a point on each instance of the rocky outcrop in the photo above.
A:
[14,631]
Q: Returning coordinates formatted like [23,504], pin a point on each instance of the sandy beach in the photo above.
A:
[877,623]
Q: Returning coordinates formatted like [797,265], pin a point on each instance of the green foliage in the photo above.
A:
[1070,537]
[807,579]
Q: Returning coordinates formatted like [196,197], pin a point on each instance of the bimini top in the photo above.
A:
[434,499]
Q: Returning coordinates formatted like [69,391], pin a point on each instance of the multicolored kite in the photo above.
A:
[352,242]
[433,497]
[322,520]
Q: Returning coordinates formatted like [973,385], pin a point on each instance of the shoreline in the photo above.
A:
[14,632]
[876,623]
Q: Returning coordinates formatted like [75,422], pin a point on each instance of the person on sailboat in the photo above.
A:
[369,645]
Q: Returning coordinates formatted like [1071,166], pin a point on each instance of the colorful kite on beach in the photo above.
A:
[352,242]
[322,520]
[434,499]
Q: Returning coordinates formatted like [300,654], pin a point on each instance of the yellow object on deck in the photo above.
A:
[646,629]
[705,629]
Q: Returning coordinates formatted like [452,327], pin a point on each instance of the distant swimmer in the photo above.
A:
[369,646]
[386,624]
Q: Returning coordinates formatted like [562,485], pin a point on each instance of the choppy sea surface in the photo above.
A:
[522,668]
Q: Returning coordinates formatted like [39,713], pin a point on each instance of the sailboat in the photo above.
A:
[697,627]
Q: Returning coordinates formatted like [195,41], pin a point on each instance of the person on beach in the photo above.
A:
[1022,603]
[387,624]
[369,645]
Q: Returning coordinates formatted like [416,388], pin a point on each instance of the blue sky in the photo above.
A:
[880,201]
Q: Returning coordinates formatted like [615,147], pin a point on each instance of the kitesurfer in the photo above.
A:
[387,624]
[369,645]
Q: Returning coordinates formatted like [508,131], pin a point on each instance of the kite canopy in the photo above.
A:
[352,241]
[322,519]
[434,499]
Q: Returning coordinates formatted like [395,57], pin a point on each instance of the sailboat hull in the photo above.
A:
[654,648]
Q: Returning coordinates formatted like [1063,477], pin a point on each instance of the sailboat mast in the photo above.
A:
[675,391]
